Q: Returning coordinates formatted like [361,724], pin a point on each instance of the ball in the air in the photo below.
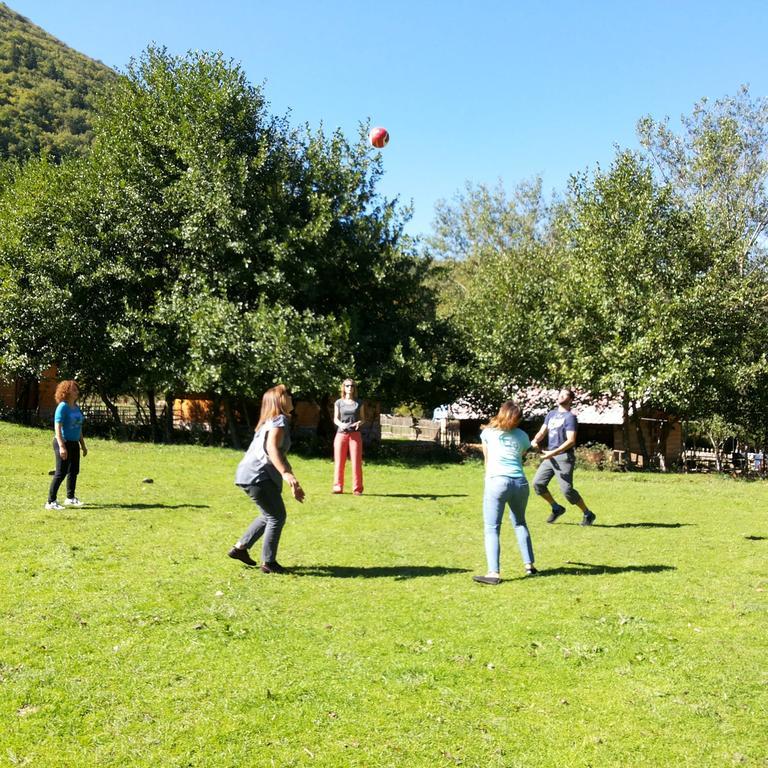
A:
[379,137]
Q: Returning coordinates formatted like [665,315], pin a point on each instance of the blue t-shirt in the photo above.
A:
[256,466]
[558,423]
[71,420]
[504,451]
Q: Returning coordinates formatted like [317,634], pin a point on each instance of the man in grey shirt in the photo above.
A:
[560,426]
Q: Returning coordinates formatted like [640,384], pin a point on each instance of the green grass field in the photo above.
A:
[128,638]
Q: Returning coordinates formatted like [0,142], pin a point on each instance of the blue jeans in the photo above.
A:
[269,524]
[500,492]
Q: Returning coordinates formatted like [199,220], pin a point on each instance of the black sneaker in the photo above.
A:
[241,555]
[557,511]
[273,567]
[486,579]
[589,518]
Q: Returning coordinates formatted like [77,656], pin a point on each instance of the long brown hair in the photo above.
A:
[64,389]
[508,417]
[273,403]
[353,394]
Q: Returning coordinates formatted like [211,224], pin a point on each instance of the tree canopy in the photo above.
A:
[204,245]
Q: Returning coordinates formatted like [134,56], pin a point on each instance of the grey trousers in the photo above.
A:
[562,467]
[269,524]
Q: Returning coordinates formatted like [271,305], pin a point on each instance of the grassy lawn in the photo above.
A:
[127,637]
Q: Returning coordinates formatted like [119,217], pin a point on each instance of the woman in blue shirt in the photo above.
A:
[67,444]
[504,446]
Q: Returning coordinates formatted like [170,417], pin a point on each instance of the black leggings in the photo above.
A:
[69,468]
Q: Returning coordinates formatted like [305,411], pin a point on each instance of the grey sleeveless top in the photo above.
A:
[256,466]
[349,412]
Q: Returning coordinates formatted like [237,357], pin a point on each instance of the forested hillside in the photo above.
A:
[46,91]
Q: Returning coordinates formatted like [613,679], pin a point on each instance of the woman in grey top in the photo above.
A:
[348,441]
[261,473]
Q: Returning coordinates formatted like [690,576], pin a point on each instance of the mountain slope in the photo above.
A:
[46,91]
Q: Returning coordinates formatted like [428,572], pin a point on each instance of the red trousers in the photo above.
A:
[348,443]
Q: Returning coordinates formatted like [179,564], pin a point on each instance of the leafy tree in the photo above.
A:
[639,262]
[498,273]
[205,244]
[719,161]
[58,295]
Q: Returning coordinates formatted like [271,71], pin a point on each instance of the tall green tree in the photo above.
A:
[719,160]
[59,296]
[232,242]
[718,163]
[653,309]
[498,273]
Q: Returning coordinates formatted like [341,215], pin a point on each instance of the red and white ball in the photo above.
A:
[379,137]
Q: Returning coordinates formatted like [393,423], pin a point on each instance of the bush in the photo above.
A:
[596,456]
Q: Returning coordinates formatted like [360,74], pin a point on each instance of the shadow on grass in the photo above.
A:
[420,495]
[756,538]
[397,572]
[644,525]
[146,506]
[593,569]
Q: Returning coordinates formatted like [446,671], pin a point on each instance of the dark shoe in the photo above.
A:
[273,567]
[557,511]
[530,571]
[589,518]
[486,579]
[241,555]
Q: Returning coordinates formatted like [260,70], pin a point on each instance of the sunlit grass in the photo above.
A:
[127,637]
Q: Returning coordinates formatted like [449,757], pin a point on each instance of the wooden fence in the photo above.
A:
[442,431]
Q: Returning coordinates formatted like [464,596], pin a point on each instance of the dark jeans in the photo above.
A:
[269,524]
[69,468]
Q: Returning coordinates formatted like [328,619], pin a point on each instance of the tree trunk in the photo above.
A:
[111,407]
[215,420]
[152,405]
[231,424]
[168,420]
[326,429]
[248,424]
[718,457]
[23,397]
[628,463]
[662,445]
[640,436]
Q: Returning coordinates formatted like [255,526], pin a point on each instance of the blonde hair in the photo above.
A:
[64,389]
[273,403]
[354,388]
[508,417]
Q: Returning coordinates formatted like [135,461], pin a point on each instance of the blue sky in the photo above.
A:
[478,90]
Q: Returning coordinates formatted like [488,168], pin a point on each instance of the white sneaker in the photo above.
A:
[53,505]
[74,502]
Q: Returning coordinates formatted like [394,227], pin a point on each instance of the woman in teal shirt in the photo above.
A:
[504,446]
[67,444]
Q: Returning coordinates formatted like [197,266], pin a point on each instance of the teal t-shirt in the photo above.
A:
[504,451]
[71,420]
